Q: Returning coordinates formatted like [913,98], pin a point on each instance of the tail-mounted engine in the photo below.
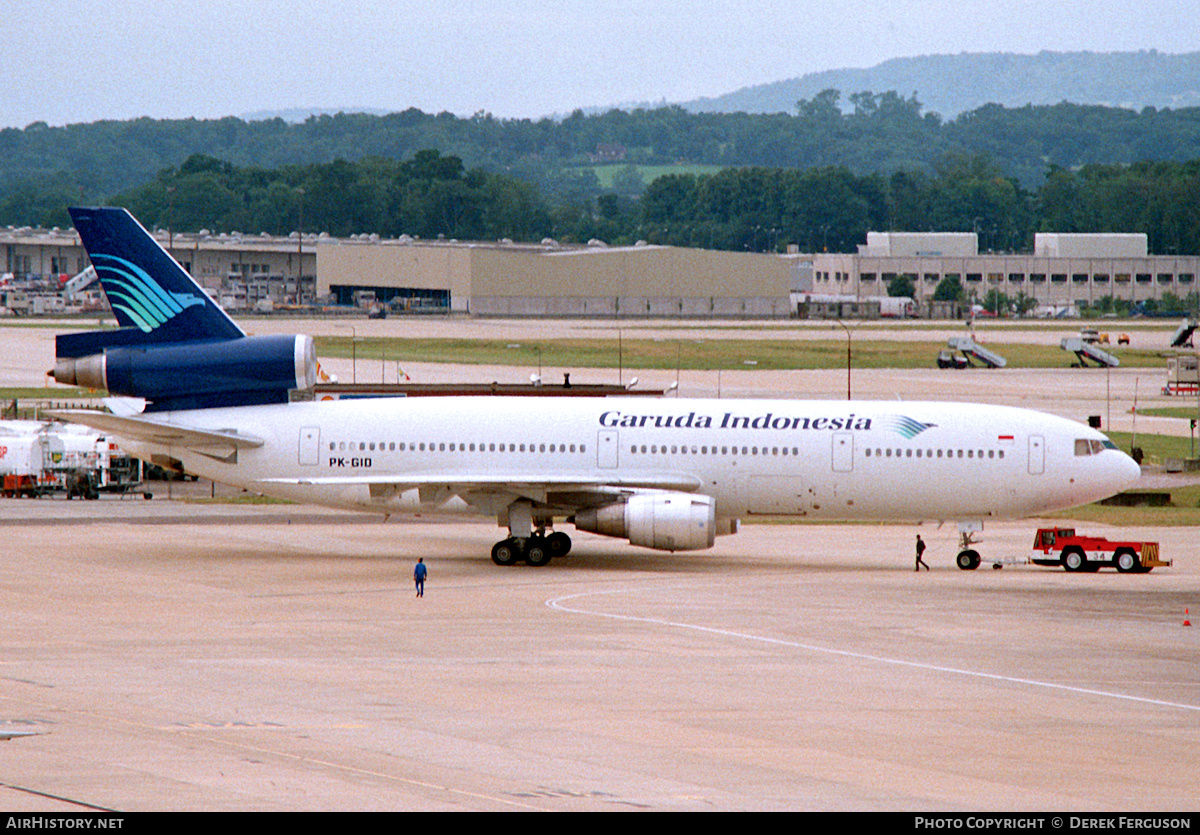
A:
[663,521]
[252,370]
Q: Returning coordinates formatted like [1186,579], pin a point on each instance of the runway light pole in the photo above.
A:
[846,328]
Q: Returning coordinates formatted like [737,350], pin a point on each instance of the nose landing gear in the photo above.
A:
[968,558]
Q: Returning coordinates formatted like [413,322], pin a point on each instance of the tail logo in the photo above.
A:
[131,290]
[906,426]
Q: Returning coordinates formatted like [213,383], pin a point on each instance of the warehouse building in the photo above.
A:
[551,279]
[548,279]
[1063,269]
[242,271]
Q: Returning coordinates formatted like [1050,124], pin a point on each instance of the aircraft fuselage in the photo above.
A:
[820,459]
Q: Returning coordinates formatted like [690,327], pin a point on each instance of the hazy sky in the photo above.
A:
[69,61]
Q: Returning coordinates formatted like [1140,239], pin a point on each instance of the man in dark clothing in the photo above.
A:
[419,573]
[920,551]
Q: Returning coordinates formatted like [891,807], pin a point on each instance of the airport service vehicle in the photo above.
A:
[21,461]
[39,459]
[1183,375]
[1075,552]
[666,474]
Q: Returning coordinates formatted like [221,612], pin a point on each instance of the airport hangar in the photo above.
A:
[552,279]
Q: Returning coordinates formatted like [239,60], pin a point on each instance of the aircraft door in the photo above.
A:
[606,449]
[1037,455]
[310,445]
[843,452]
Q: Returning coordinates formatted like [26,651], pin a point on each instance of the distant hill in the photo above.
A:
[953,84]
[296,115]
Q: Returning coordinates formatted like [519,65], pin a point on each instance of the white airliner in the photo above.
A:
[669,474]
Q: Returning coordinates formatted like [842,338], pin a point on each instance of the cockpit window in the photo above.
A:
[1089,446]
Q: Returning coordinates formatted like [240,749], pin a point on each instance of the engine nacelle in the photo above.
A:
[233,372]
[663,521]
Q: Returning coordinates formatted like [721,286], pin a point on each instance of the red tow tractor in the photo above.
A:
[1074,552]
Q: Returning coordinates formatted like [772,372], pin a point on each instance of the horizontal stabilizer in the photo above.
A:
[154,432]
[87,343]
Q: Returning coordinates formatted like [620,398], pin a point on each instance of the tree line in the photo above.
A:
[427,196]
[831,209]
[753,209]
[42,167]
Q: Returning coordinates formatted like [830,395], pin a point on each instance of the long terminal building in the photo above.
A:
[549,279]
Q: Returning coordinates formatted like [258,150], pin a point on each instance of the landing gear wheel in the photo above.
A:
[968,560]
[536,552]
[558,544]
[506,552]
[1127,561]
[1073,559]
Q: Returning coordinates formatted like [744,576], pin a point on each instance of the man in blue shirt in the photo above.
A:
[419,573]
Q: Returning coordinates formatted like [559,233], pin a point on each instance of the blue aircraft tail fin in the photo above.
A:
[147,288]
[176,349]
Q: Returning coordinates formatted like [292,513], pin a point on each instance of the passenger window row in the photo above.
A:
[685,449]
[442,446]
[676,449]
[935,453]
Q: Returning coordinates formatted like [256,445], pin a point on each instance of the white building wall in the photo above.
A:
[916,244]
[1070,245]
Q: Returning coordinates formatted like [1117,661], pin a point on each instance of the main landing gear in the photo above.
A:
[527,538]
[537,549]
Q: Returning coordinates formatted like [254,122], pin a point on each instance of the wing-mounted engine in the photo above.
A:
[252,370]
[663,521]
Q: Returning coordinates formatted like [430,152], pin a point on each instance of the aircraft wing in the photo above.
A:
[488,489]
[472,487]
[155,432]
[665,482]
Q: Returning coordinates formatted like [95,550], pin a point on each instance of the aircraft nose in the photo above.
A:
[1126,472]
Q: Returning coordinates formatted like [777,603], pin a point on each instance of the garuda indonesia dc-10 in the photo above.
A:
[667,474]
